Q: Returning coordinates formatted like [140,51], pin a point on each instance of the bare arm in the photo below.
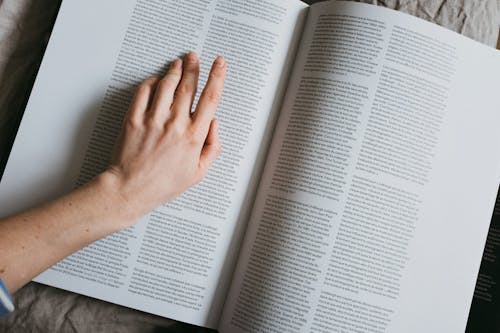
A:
[163,150]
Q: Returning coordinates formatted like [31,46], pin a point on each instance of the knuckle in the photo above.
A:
[192,68]
[143,89]
[174,129]
[166,84]
[193,136]
[191,57]
[146,86]
[212,96]
[177,72]
[152,123]
[150,81]
[217,73]
[186,88]
[193,65]
[173,77]
[132,123]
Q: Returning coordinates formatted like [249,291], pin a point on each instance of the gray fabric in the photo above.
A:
[477,19]
[24,29]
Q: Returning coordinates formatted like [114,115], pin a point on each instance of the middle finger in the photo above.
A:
[186,90]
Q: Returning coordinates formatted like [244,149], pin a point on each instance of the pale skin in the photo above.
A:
[164,149]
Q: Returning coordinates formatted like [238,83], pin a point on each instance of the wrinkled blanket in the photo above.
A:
[25,27]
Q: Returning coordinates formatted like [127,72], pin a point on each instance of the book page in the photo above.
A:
[376,198]
[177,261]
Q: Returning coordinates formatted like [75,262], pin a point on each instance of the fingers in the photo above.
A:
[212,147]
[210,97]
[173,99]
[164,95]
[140,103]
[186,90]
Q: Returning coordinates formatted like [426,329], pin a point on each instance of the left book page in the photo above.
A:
[177,261]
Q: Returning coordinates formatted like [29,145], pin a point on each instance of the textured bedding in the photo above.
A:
[25,27]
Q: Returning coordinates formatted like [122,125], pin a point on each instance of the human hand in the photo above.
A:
[164,149]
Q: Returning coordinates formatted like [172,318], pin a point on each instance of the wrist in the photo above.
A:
[118,207]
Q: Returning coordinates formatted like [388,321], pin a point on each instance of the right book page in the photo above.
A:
[375,202]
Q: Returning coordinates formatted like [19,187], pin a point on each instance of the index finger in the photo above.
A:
[210,97]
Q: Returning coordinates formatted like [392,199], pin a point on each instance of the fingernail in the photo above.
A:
[191,57]
[176,64]
[220,61]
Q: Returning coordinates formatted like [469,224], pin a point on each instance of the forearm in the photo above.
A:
[34,240]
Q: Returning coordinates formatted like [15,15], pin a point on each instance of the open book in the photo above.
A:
[359,144]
